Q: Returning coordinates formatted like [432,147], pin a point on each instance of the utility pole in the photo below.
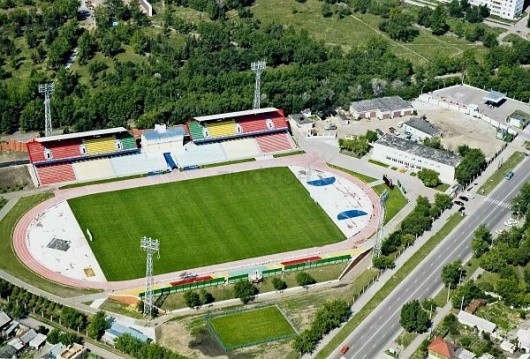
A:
[150,246]
[379,239]
[258,68]
[47,89]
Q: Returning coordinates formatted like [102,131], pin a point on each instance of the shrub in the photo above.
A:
[278,284]
[304,279]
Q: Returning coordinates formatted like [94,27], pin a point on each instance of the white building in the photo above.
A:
[298,120]
[523,336]
[398,152]
[481,324]
[163,139]
[506,9]
[419,129]
[382,108]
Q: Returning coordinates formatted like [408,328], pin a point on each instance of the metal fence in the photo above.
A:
[236,278]
[317,263]
[185,287]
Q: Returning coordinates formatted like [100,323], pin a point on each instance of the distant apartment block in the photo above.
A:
[506,9]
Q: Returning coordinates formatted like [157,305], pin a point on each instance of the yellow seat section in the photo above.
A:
[100,145]
[222,129]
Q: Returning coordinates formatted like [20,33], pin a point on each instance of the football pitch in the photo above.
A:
[203,221]
[251,327]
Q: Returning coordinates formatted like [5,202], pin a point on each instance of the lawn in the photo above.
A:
[395,202]
[204,221]
[251,327]
[498,176]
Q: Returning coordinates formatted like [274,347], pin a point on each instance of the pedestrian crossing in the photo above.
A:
[498,203]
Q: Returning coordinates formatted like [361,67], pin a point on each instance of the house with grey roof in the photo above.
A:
[419,129]
[381,108]
[398,152]
[481,324]
[116,330]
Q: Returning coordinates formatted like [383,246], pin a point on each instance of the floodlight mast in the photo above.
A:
[381,224]
[150,246]
[258,68]
[47,89]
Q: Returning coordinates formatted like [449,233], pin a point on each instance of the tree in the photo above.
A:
[303,279]
[358,145]
[470,166]
[245,291]
[371,136]
[438,21]
[305,342]
[206,297]
[414,318]
[97,324]
[521,202]
[452,273]
[326,10]
[278,284]
[429,177]
[423,16]
[399,26]
[192,299]
[465,293]
[442,201]
[433,142]
[383,262]
[482,241]
[490,40]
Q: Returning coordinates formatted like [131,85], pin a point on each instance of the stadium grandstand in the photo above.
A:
[88,156]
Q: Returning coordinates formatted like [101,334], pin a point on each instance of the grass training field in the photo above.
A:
[251,327]
[204,221]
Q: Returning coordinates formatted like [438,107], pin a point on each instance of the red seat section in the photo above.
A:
[56,173]
[191,280]
[274,143]
[254,125]
[301,260]
[65,149]
[279,122]
[36,151]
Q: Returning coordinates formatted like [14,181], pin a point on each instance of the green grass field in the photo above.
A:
[205,221]
[251,327]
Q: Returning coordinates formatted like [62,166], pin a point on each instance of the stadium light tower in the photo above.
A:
[150,246]
[379,239]
[47,89]
[258,68]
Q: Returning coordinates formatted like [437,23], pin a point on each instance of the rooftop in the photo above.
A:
[423,126]
[117,330]
[480,323]
[299,118]
[419,150]
[4,319]
[231,115]
[384,104]
[37,341]
[494,97]
[441,347]
[108,131]
[163,135]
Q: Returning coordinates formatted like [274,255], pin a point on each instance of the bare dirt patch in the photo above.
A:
[15,176]
[459,129]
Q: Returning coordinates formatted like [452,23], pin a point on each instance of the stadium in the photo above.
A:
[217,224]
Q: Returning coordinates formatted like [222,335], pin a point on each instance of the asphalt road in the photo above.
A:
[374,334]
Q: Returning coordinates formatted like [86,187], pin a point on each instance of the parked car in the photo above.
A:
[508,224]
[470,195]
[464,198]
[462,209]
[400,124]
[330,126]
[512,221]
[459,203]
[509,175]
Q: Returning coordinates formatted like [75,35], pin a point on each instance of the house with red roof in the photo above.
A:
[440,349]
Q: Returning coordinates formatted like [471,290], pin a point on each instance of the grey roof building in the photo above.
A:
[383,107]
[423,126]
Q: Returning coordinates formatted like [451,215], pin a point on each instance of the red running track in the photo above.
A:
[304,160]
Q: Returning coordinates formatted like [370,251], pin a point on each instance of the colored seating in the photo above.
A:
[36,151]
[128,142]
[93,169]
[221,129]
[279,122]
[196,130]
[277,142]
[241,148]
[254,125]
[100,145]
[65,149]
[56,173]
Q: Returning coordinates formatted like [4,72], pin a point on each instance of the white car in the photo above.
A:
[508,224]
[512,221]
[499,231]
[470,195]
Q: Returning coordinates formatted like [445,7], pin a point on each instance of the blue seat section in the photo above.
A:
[322,181]
[137,164]
[352,213]
[169,160]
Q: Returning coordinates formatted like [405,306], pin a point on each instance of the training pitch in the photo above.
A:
[203,221]
[251,327]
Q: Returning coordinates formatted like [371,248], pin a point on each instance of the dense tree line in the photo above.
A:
[413,318]
[330,316]
[417,222]
[137,349]
[472,164]
[208,73]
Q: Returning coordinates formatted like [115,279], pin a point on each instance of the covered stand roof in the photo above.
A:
[494,97]
[232,115]
[108,131]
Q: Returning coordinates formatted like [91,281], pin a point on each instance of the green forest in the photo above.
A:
[193,57]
